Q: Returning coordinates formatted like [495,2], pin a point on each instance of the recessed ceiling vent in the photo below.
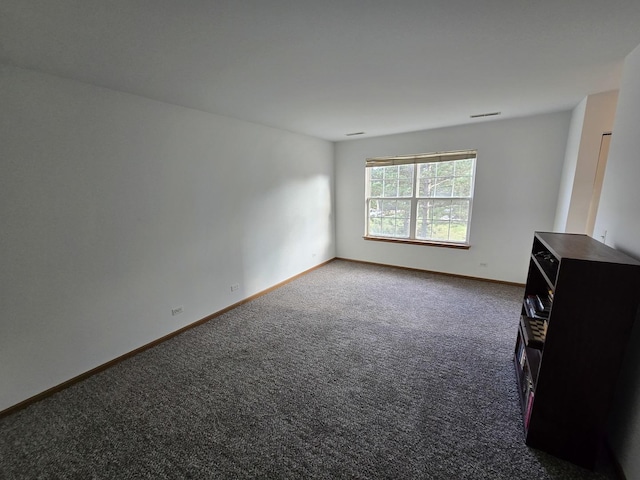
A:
[480,115]
[353,134]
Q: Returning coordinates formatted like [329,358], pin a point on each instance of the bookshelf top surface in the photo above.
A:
[582,247]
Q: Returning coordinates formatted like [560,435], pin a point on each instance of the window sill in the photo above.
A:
[428,243]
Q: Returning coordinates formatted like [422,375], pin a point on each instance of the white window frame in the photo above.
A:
[416,160]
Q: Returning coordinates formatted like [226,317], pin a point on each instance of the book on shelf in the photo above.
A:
[528,408]
[526,380]
[536,307]
[544,305]
[520,354]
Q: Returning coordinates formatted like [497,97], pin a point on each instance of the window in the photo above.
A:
[423,198]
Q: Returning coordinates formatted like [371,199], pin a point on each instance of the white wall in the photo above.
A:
[569,166]
[517,180]
[618,215]
[116,208]
[593,117]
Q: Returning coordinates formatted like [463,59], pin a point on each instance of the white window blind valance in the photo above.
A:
[421,158]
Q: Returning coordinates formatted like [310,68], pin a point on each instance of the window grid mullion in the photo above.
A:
[413,220]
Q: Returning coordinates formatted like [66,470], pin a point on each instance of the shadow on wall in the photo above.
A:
[290,231]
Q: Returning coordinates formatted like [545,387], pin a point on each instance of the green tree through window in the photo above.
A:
[424,198]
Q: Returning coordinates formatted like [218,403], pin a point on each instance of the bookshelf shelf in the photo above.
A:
[580,302]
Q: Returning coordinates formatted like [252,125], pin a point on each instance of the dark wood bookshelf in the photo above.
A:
[567,359]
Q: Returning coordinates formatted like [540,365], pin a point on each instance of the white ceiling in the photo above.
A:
[331,67]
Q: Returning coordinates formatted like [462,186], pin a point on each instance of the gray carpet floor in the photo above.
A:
[351,371]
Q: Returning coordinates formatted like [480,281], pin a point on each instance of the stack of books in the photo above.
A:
[537,310]
[536,307]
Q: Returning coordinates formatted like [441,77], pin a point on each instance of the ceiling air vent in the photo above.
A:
[480,115]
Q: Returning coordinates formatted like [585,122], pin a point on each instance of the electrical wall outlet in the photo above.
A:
[235,287]
[177,310]
[604,236]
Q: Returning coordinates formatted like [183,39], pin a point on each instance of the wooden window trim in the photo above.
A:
[426,243]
